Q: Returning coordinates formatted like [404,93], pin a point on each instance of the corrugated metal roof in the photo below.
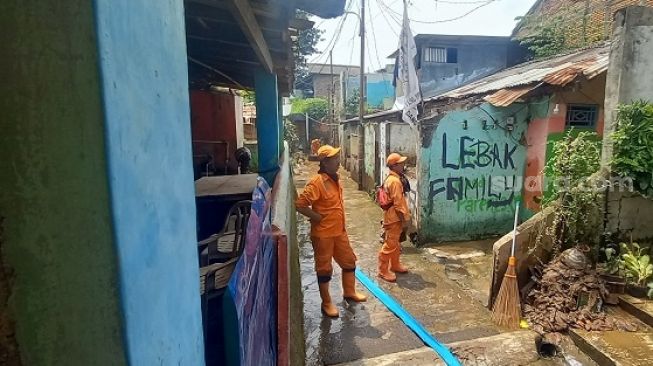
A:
[506,97]
[508,85]
[505,87]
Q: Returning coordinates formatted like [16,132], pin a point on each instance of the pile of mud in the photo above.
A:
[570,295]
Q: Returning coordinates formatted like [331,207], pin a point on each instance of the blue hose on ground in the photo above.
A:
[408,319]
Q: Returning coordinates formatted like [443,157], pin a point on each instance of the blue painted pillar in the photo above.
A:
[281,126]
[97,208]
[267,124]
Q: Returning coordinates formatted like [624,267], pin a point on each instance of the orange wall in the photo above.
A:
[539,130]
[536,137]
[213,118]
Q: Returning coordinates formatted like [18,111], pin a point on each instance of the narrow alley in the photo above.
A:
[447,304]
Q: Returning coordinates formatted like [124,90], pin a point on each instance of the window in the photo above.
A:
[441,55]
[581,115]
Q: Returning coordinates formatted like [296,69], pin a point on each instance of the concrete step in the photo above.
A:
[642,309]
[617,348]
[514,348]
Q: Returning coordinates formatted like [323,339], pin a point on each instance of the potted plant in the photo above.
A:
[637,267]
[650,290]
[612,270]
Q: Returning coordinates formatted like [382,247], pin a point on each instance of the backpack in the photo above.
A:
[383,198]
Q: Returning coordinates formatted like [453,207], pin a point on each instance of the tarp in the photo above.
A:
[253,285]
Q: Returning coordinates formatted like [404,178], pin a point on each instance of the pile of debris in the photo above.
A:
[570,294]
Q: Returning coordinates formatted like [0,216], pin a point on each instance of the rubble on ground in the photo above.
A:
[553,305]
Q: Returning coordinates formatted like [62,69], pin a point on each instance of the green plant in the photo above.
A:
[577,214]
[613,262]
[352,103]
[546,38]
[249,97]
[633,145]
[290,135]
[637,265]
[304,45]
[316,108]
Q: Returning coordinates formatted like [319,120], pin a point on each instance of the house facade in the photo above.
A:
[446,62]
[480,149]
[342,82]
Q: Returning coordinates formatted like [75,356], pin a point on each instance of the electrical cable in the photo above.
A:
[485,3]
[334,40]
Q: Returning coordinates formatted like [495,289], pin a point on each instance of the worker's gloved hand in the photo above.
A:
[316,219]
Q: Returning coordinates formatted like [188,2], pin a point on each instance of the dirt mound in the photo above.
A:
[570,295]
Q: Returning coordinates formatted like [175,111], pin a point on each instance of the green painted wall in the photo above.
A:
[470,175]
[53,187]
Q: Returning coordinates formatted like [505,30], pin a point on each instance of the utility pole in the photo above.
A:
[361,102]
[330,110]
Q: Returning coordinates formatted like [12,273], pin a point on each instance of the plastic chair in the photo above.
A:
[230,241]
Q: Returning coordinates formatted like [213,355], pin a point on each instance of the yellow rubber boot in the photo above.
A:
[349,287]
[384,272]
[328,308]
[395,264]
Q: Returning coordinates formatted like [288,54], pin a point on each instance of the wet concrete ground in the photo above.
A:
[444,291]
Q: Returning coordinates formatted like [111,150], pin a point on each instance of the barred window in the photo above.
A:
[582,115]
[441,55]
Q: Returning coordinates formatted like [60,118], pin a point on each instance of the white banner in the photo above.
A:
[408,94]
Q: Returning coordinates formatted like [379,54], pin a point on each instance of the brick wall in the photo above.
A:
[322,86]
[585,22]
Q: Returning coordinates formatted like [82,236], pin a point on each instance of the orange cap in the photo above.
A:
[394,159]
[327,151]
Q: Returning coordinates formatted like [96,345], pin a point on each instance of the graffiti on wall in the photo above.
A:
[468,182]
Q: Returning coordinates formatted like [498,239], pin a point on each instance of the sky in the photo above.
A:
[383,18]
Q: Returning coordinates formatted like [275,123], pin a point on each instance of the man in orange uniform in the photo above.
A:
[322,202]
[395,220]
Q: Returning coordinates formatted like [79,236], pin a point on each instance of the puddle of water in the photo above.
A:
[426,292]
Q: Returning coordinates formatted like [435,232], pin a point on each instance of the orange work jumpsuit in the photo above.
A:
[329,237]
[391,222]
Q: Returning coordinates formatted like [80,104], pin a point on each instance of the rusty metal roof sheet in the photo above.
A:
[506,97]
[504,87]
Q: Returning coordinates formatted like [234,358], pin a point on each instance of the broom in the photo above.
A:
[507,306]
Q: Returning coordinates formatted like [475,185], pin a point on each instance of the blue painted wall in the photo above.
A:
[471,179]
[380,91]
[148,142]
[269,129]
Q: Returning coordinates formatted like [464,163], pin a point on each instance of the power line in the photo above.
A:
[471,2]
[376,49]
[483,4]
[387,21]
[391,13]
[334,38]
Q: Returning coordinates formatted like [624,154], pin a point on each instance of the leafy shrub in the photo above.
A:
[317,108]
[633,145]
[578,212]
